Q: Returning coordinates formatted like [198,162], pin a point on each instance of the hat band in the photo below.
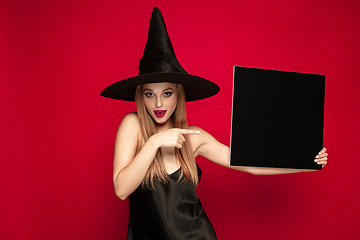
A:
[164,56]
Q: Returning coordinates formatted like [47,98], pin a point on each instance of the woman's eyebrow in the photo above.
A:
[166,89]
[148,89]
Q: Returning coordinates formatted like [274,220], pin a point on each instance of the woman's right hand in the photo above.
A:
[173,137]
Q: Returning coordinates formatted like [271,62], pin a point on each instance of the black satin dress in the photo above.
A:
[171,211]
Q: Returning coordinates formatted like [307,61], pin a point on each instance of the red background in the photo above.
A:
[57,133]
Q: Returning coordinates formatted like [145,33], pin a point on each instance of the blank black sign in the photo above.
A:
[277,118]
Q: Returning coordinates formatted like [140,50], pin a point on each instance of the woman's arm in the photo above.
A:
[130,168]
[208,147]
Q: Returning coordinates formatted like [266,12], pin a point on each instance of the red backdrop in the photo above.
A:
[57,133]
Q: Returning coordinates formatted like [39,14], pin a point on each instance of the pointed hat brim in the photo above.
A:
[195,87]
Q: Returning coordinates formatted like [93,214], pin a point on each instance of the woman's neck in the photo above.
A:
[165,126]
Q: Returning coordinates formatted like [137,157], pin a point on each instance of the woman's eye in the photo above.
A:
[167,94]
[149,94]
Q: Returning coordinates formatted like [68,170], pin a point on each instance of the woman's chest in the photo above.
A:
[170,160]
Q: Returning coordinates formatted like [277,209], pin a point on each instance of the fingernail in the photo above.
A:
[317,156]
[197,131]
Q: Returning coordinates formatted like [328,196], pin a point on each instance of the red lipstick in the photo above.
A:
[160,113]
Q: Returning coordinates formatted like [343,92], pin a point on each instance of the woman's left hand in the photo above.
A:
[321,158]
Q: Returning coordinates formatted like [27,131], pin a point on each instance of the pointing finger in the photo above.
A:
[188,131]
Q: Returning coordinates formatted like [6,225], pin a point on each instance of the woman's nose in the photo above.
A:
[158,103]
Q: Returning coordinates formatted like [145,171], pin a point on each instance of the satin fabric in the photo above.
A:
[171,211]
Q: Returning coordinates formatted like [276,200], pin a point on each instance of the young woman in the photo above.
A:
[155,149]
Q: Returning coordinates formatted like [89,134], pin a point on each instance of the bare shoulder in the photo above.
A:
[195,128]
[130,122]
[131,117]
[202,134]
[129,127]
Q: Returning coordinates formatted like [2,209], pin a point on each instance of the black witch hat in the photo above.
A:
[159,64]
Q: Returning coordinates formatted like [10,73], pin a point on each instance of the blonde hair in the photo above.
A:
[185,156]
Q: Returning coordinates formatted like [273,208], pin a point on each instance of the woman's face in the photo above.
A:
[160,100]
